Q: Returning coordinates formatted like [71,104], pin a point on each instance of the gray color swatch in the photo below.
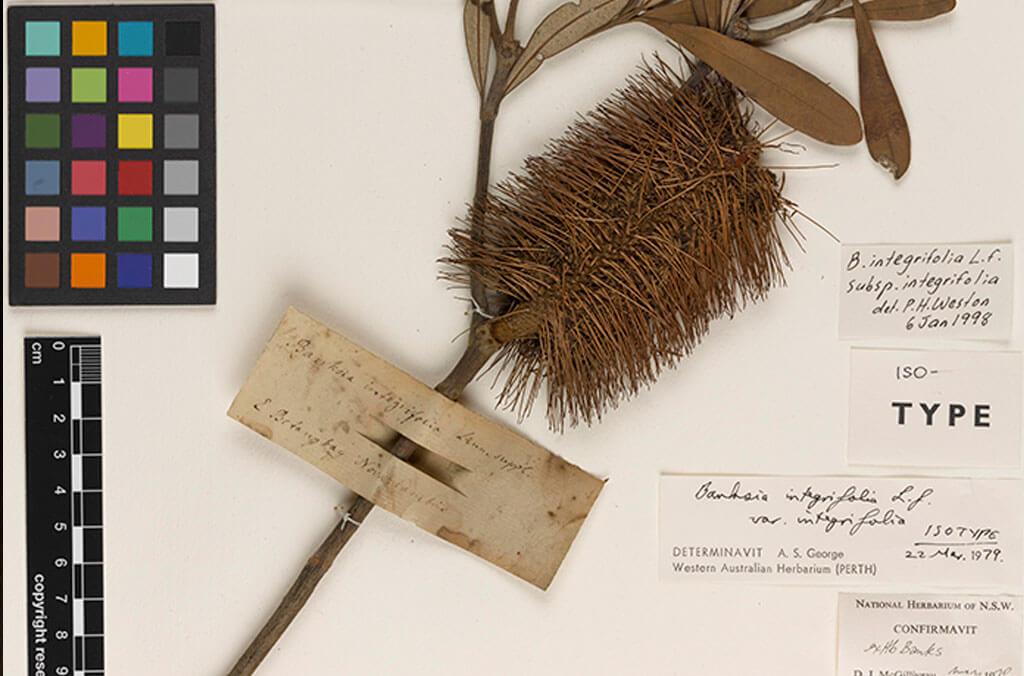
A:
[181,85]
[181,131]
[181,177]
[181,224]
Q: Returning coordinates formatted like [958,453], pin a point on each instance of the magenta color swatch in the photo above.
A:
[135,85]
[88,131]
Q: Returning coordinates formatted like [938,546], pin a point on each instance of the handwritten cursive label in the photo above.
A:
[485,488]
[926,291]
[847,531]
[929,634]
[919,408]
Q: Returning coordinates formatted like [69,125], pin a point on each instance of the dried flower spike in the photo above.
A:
[647,219]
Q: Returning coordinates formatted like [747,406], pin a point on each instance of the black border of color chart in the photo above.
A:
[205,293]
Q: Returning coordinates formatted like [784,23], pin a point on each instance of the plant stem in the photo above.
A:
[483,300]
[487,303]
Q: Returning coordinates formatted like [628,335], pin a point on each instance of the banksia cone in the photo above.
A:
[648,218]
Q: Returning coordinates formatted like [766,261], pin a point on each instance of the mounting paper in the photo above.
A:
[338,407]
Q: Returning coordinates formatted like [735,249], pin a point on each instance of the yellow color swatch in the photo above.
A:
[135,131]
[88,38]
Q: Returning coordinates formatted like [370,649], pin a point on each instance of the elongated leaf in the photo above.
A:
[730,8]
[885,126]
[713,8]
[700,10]
[677,12]
[899,10]
[478,41]
[784,89]
[762,8]
[565,26]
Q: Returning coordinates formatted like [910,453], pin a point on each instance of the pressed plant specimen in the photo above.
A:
[605,258]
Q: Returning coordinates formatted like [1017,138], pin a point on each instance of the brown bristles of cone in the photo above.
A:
[648,218]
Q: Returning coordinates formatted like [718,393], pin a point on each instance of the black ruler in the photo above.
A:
[64,506]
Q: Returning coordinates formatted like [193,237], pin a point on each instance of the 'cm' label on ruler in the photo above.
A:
[64,506]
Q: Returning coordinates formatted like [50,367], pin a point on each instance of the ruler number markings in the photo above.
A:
[64,506]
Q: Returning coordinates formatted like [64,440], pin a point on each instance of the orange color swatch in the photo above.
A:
[88,271]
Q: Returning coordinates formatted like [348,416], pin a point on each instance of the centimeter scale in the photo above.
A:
[64,506]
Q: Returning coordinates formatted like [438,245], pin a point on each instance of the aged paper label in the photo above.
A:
[337,406]
[921,408]
[926,291]
[842,530]
[929,634]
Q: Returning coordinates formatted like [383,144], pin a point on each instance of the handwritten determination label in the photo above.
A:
[489,490]
[926,290]
[920,408]
[845,531]
[910,634]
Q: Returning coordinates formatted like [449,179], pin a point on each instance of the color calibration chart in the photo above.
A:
[112,155]
[64,506]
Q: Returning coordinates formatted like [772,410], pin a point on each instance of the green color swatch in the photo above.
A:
[135,224]
[42,130]
[88,85]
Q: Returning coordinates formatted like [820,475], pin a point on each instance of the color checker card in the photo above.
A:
[112,158]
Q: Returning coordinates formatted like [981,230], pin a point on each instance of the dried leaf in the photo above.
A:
[478,41]
[677,12]
[565,26]
[899,10]
[700,10]
[762,8]
[730,9]
[885,126]
[713,9]
[785,90]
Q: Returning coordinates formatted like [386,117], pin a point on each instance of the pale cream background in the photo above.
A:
[346,136]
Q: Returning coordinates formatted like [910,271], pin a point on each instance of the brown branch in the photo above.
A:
[492,19]
[314,570]
[507,49]
[483,300]
[510,20]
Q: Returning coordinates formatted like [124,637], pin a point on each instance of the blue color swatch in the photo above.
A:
[134,271]
[135,38]
[42,177]
[88,224]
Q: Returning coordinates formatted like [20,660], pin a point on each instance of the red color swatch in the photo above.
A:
[135,177]
[88,177]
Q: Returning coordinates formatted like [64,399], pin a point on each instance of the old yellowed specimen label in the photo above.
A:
[481,486]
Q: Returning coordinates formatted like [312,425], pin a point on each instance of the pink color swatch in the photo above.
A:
[42,224]
[135,85]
